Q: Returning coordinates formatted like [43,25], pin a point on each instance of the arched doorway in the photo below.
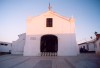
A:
[49,43]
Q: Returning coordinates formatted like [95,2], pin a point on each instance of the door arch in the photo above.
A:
[49,43]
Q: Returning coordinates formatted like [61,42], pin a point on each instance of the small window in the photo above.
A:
[1,44]
[49,22]
[6,44]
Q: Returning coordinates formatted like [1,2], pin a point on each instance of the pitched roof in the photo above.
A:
[54,13]
[60,16]
[87,42]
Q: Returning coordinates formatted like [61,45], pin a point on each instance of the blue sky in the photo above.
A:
[13,15]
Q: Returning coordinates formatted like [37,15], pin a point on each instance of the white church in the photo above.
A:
[48,34]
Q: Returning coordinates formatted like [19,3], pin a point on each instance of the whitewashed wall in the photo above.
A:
[91,46]
[66,45]
[18,45]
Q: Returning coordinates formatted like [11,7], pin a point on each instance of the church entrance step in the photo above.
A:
[48,53]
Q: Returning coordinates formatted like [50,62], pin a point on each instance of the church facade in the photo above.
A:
[50,33]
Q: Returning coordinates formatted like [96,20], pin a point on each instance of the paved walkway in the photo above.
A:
[80,61]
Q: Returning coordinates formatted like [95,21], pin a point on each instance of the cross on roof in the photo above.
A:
[49,6]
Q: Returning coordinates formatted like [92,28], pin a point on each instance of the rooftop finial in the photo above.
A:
[49,6]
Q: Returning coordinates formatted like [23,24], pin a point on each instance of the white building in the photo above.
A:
[89,46]
[48,33]
[5,47]
[93,45]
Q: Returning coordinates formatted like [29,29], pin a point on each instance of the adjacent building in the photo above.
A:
[88,46]
[97,42]
[5,47]
[18,45]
